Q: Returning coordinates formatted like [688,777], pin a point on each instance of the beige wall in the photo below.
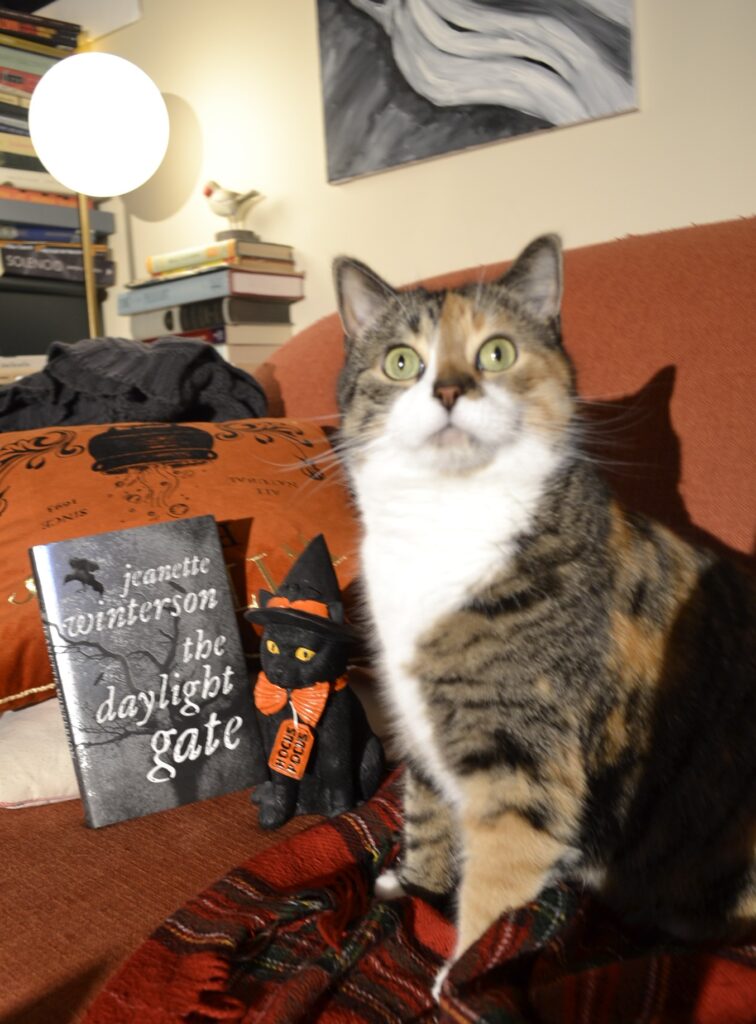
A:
[241,79]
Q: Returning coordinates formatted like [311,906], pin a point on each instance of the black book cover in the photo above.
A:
[143,637]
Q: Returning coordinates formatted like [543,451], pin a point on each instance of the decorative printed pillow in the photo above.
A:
[271,485]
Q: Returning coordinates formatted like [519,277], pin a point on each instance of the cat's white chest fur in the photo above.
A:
[430,540]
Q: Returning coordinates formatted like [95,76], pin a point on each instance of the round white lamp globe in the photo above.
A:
[99,124]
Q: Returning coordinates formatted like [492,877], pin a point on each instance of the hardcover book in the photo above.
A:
[19,161]
[265,266]
[238,335]
[209,284]
[31,233]
[25,259]
[228,249]
[197,315]
[20,60]
[52,214]
[15,78]
[152,680]
[33,46]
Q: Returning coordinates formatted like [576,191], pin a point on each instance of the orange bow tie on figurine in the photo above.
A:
[308,702]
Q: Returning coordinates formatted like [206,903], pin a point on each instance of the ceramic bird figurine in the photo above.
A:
[231,205]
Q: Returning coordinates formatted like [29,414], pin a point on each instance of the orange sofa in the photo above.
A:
[661,328]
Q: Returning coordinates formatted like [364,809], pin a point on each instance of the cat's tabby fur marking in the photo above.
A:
[573,685]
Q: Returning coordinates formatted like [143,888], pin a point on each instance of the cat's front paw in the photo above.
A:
[388,886]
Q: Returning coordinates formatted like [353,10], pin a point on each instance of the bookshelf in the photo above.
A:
[35,312]
[42,294]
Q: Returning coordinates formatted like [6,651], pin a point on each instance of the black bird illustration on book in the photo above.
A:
[84,573]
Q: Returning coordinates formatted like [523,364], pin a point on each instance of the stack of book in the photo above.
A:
[235,294]
[39,238]
[39,222]
[29,46]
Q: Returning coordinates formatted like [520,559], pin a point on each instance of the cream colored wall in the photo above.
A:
[241,79]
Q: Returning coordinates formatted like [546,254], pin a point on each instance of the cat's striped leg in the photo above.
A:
[515,834]
[428,862]
[507,855]
[507,861]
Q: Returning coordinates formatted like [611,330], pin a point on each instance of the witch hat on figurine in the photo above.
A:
[308,597]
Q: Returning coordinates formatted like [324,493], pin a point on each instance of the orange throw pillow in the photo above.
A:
[271,485]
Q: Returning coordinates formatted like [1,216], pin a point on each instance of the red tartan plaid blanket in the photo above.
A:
[294,935]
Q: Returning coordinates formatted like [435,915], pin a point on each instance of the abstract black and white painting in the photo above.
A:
[408,79]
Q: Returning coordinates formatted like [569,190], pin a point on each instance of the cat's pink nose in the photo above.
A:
[447,394]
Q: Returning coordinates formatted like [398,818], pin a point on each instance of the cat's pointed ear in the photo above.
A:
[535,277]
[362,295]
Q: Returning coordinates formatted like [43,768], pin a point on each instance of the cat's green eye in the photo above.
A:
[496,354]
[272,647]
[304,654]
[402,363]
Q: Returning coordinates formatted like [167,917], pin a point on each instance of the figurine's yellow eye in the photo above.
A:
[272,647]
[304,654]
[402,363]
[496,354]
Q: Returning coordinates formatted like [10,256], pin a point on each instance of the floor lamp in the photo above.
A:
[100,126]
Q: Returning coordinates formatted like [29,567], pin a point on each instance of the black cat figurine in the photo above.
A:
[323,757]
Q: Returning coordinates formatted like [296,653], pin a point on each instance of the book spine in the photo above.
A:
[22,81]
[66,38]
[56,264]
[228,249]
[10,125]
[34,47]
[184,258]
[51,245]
[12,143]
[20,161]
[66,27]
[196,316]
[31,195]
[15,99]
[21,60]
[34,181]
[15,26]
[53,215]
[172,293]
[212,335]
[209,285]
[11,107]
[265,266]
[37,234]
[42,286]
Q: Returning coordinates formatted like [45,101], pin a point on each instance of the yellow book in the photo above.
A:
[33,47]
[12,143]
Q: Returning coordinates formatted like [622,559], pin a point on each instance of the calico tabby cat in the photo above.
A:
[574,687]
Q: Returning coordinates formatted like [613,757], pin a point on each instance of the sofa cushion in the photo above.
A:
[271,484]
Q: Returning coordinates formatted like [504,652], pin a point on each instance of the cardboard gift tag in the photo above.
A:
[292,749]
